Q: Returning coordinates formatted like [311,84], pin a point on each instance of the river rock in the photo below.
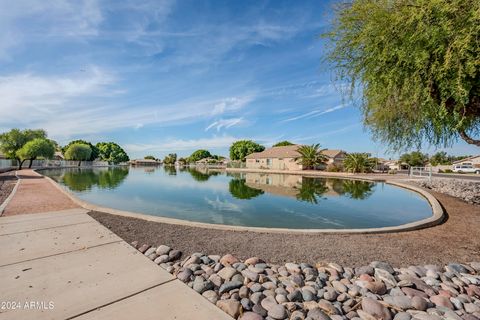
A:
[317,314]
[268,303]
[376,309]
[277,312]
[441,301]
[251,316]
[211,296]
[174,255]
[185,275]
[162,259]
[227,273]
[382,265]
[377,287]
[230,285]
[163,249]
[419,303]
[228,260]
[231,307]
[249,274]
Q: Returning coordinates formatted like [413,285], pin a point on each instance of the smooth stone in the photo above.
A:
[441,301]
[414,292]
[376,287]
[295,296]
[256,287]
[456,267]
[307,295]
[317,314]
[185,275]
[143,248]
[251,316]
[297,315]
[230,285]
[257,308]
[231,307]
[246,304]
[211,296]
[419,303]
[227,273]
[257,297]
[238,277]
[228,259]
[149,251]
[202,286]
[277,312]
[252,276]
[161,259]
[292,267]
[471,308]
[402,316]
[280,298]
[216,279]
[375,309]
[401,302]
[163,250]
[327,306]
[340,287]
[268,303]
[174,255]
[192,260]
[253,260]
[243,292]
[386,277]
[365,270]
[382,265]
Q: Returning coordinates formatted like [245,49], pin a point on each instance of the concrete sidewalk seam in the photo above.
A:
[121,299]
[59,226]
[36,218]
[58,254]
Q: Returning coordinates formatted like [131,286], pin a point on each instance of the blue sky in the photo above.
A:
[175,76]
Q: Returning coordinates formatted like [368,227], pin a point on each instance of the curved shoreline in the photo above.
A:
[437,217]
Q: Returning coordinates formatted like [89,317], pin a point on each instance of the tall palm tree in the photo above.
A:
[358,163]
[311,156]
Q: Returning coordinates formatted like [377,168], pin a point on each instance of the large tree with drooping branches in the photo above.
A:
[416,64]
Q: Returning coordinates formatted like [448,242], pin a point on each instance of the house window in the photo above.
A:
[269,162]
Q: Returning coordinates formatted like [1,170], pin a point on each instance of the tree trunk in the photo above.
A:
[30,164]
[21,164]
[468,139]
[79,162]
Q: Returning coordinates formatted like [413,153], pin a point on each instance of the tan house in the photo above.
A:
[284,158]
[473,160]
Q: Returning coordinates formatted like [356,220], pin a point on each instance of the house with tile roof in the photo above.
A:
[285,158]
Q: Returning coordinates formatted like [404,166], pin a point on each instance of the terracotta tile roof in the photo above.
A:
[287,152]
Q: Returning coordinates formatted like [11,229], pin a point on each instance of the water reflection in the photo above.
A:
[82,180]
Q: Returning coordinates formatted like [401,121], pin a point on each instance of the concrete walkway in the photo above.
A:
[65,265]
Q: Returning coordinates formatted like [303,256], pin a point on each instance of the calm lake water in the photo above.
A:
[246,199]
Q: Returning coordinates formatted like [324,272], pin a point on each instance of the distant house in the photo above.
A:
[58,156]
[284,158]
[473,160]
[144,162]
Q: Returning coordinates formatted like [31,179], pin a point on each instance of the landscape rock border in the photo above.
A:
[438,215]
[254,290]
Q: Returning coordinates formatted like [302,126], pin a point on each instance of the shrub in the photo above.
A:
[333,168]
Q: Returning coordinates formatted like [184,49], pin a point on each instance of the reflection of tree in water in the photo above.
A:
[240,190]
[358,189]
[202,176]
[170,170]
[355,189]
[311,189]
[81,179]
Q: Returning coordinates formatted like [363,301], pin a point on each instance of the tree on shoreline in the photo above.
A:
[416,64]
[242,148]
[111,152]
[93,155]
[35,148]
[78,152]
[13,140]
[414,159]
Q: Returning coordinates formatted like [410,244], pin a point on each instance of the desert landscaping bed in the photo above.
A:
[7,183]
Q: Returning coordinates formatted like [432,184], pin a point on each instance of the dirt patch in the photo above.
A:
[7,183]
[456,240]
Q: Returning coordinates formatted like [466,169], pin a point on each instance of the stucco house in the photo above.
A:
[283,158]
[473,160]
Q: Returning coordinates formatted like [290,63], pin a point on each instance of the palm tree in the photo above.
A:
[311,156]
[358,163]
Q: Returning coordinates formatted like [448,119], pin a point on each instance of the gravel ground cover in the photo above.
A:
[468,191]
[7,183]
[255,290]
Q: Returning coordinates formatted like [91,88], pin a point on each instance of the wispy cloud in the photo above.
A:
[315,113]
[224,123]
